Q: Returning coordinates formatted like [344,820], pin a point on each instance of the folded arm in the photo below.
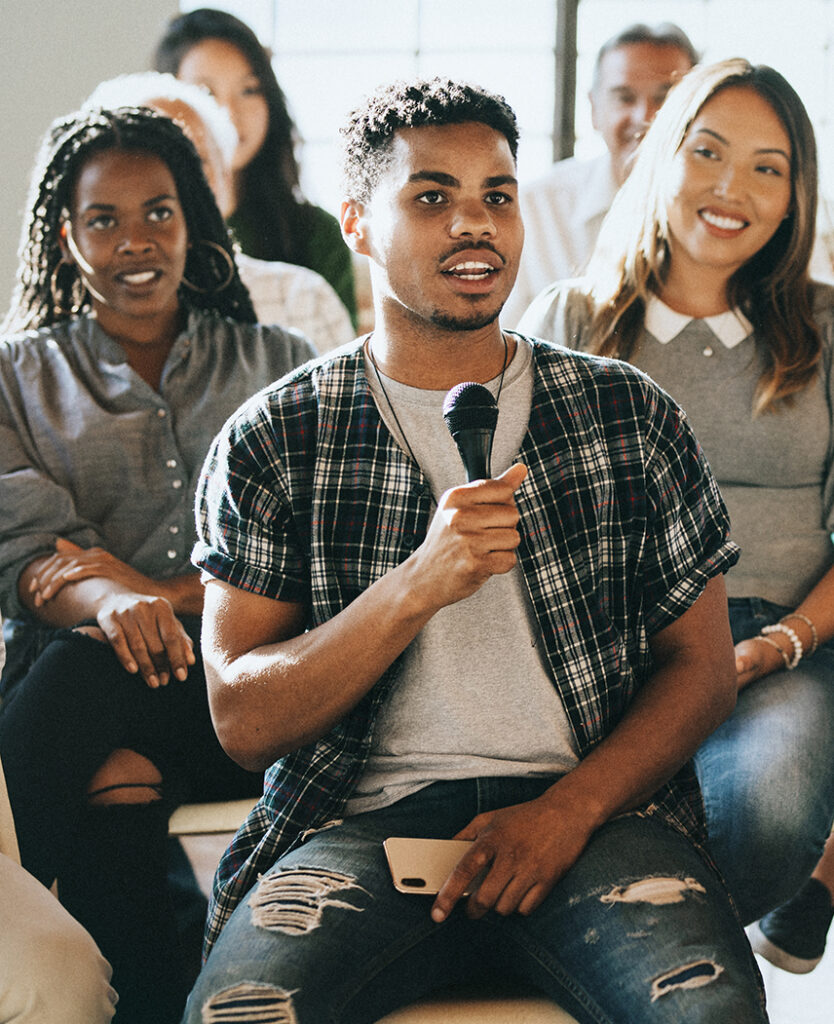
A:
[138,615]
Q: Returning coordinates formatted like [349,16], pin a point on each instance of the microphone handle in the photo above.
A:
[475,447]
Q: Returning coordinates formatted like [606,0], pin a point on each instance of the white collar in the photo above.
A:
[664,323]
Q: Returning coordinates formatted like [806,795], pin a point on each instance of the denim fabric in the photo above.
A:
[767,774]
[324,937]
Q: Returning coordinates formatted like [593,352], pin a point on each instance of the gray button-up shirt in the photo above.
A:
[89,451]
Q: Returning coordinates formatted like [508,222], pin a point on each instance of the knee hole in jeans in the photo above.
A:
[293,901]
[126,777]
[249,1001]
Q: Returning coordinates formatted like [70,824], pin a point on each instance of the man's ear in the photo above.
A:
[355,223]
[591,98]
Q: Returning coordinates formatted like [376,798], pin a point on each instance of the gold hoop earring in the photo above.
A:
[57,293]
[229,269]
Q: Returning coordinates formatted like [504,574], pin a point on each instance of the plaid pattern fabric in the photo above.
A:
[305,496]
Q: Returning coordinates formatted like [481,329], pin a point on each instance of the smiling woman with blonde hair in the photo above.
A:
[700,278]
[633,258]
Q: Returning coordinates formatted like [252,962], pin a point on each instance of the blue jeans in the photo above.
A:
[767,774]
[324,938]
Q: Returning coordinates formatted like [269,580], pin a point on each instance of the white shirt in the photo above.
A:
[292,296]
[562,214]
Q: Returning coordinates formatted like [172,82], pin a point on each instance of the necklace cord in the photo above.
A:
[390,404]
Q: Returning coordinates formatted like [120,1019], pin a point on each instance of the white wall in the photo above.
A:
[52,54]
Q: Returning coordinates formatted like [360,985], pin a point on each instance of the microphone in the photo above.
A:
[471,413]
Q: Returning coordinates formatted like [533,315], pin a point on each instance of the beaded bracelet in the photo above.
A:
[772,643]
[791,634]
[815,638]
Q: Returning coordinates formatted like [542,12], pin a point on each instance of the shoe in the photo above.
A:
[793,936]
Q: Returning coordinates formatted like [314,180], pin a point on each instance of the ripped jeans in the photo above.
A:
[325,938]
[767,774]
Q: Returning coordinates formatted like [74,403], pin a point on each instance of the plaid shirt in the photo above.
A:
[306,497]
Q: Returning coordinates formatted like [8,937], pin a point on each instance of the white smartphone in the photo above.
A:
[423,865]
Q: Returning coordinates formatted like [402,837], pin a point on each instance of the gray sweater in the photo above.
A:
[775,471]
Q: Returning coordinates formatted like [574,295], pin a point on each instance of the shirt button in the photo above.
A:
[408,541]
[708,350]
[172,553]
[173,529]
[161,413]
[171,463]
[176,484]
[419,489]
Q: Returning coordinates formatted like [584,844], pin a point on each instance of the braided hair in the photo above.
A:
[47,289]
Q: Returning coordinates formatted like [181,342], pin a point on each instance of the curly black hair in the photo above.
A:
[47,290]
[369,132]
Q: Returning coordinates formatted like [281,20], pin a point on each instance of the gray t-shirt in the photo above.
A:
[474,697]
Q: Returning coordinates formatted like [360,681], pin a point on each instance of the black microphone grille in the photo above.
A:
[470,405]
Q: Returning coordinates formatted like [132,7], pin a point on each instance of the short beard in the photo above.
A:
[459,323]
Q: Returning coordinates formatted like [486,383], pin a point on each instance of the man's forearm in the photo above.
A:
[660,732]
[690,693]
[276,697]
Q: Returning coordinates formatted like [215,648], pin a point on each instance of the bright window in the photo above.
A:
[329,53]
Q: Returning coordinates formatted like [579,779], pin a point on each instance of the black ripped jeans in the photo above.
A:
[58,725]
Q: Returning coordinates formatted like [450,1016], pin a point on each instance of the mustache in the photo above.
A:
[468,247]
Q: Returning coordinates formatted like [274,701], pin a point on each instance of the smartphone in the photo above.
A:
[423,865]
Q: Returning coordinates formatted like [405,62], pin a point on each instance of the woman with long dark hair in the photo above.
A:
[129,341]
[700,278]
[271,219]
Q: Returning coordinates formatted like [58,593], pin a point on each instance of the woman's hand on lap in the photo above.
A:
[147,636]
[754,660]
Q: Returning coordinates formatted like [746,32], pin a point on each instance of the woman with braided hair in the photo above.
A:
[129,341]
